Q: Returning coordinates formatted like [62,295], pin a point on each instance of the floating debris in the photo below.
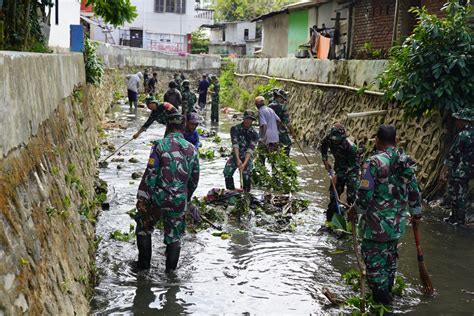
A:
[137,175]
[133,160]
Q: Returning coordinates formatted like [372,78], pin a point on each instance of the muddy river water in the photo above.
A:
[255,271]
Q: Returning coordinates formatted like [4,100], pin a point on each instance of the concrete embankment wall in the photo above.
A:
[314,108]
[121,57]
[49,142]
[47,172]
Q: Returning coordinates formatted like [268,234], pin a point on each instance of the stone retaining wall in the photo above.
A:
[314,109]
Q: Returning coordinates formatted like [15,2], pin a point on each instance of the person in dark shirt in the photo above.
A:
[159,113]
[173,95]
[152,84]
[190,132]
[202,90]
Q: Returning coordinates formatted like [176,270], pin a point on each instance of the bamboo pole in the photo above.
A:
[365,114]
[317,84]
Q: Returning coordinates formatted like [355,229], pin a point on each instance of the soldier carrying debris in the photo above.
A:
[244,140]
[346,166]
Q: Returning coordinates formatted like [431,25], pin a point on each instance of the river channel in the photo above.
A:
[256,271]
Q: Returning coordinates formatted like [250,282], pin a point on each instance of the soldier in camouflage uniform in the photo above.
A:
[189,98]
[177,79]
[215,99]
[459,166]
[388,192]
[346,165]
[279,105]
[159,113]
[165,191]
[244,140]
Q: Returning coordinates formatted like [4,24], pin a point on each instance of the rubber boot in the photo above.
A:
[382,297]
[391,283]
[229,183]
[247,185]
[144,251]
[172,256]
[460,217]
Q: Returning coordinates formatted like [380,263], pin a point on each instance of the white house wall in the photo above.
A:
[69,14]
[164,23]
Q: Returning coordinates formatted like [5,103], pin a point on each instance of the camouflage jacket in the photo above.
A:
[171,176]
[245,139]
[189,100]
[346,155]
[160,115]
[460,159]
[388,192]
[281,110]
[215,91]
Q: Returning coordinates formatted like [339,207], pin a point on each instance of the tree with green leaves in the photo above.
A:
[433,70]
[24,23]
[115,12]
[199,42]
[241,10]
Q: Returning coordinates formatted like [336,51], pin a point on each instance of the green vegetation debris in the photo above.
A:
[284,177]
[217,139]
[207,153]
[121,236]
[222,235]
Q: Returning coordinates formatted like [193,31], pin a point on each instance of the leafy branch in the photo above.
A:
[433,70]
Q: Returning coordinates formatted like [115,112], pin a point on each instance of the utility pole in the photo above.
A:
[181,24]
[395,22]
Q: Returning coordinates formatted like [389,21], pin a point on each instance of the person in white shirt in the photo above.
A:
[133,85]
[268,121]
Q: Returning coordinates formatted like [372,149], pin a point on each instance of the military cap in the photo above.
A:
[175,119]
[185,82]
[149,99]
[282,93]
[338,133]
[249,114]
[193,118]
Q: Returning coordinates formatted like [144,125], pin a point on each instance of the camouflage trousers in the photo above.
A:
[457,190]
[215,110]
[349,181]
[230,168]
[381,263]
[285,141]
[174,224]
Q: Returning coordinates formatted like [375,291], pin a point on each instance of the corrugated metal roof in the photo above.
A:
[292,7]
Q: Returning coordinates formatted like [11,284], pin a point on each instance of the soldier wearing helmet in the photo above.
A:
[346,166]
[459,166]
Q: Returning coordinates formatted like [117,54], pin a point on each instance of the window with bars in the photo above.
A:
[170,6]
